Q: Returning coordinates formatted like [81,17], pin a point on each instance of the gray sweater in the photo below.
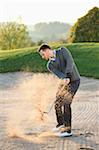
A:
[63,65]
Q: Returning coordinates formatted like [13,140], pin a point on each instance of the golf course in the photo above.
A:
[27,89]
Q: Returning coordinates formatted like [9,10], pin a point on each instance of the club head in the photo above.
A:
[45,112]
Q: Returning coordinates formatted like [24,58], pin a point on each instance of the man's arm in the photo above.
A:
[58,73]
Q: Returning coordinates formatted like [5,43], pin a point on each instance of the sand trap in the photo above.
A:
[23,98]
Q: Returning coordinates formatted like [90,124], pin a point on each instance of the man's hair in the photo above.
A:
[43,47]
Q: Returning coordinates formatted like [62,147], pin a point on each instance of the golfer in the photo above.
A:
[61,63]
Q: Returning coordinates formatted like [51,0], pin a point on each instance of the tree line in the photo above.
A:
[15,35]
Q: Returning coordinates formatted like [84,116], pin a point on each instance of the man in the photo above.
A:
[62,65]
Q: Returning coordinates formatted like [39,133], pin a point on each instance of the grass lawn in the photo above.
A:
[86,57]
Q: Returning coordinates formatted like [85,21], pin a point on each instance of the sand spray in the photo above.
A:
[34,95]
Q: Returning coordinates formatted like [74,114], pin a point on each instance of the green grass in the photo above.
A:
[21,60]
[86,57]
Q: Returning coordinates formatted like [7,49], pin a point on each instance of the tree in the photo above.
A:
[14,35]
[86,29]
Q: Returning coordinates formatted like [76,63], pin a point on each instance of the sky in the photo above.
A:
[35,11]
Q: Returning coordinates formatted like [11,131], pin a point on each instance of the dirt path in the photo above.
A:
[23,96]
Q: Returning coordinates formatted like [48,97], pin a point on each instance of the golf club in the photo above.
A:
[47,112]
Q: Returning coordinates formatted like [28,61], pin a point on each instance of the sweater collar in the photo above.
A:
[54,56]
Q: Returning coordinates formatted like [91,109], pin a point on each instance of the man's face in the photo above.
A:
[45,54]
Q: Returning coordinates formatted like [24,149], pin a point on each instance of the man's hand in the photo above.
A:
[66,81]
